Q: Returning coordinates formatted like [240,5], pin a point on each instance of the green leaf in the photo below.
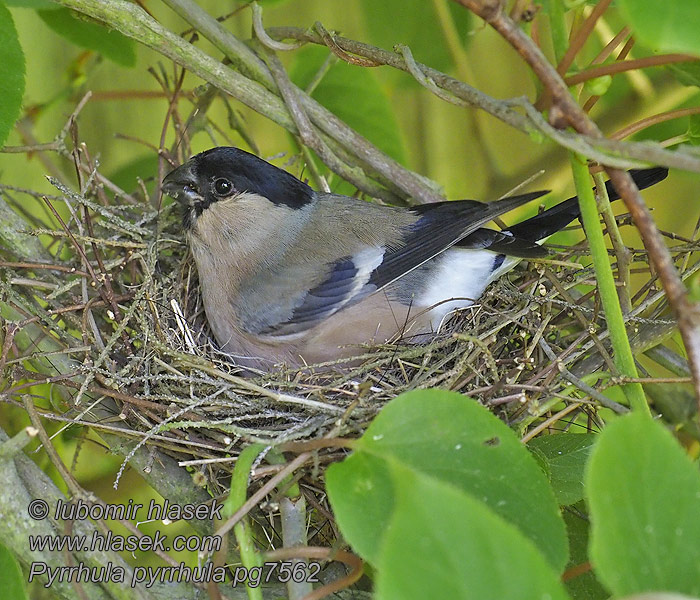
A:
[11,576]
[417,24]
[687,73]
[361,475]
[583,586]
[665,26]
[12,73]
[111,44]
[31,3]
[443,543]
[353,94]
[566,455]
[452,439]
[644,495]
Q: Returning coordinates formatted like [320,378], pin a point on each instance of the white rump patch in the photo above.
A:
[459,279]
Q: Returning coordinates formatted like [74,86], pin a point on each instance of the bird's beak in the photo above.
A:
[181,184]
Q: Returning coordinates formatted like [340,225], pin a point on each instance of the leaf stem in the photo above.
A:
[628,65]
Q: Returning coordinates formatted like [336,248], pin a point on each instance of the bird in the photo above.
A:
[290,276]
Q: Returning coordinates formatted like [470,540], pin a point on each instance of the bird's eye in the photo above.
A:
[222,187]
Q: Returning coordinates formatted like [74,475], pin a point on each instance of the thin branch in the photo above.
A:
[659,60]
[329,41]
[130,20]
[307,133]
[392,173]
[654,120]
[580,384]
[48,147]
[261,34]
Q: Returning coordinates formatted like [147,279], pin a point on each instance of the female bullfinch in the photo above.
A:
[290,275]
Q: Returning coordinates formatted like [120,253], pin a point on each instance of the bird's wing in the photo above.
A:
[346,282]
[353,277]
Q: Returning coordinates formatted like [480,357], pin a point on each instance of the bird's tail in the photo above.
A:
[556,218]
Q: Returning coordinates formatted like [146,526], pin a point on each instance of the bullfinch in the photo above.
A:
[293,276]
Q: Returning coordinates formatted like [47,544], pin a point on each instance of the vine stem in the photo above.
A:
[622,253]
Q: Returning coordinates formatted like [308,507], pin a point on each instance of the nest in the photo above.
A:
[111,312]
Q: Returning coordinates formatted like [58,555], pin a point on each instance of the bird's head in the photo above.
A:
[222,174]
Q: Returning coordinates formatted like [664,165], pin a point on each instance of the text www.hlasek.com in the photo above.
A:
[121,543]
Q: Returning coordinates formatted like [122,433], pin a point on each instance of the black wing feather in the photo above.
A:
[522,238]
[503,243]
[559,216]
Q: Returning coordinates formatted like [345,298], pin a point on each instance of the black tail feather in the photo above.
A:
[556,218]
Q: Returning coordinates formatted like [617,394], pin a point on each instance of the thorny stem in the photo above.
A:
[566,110]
